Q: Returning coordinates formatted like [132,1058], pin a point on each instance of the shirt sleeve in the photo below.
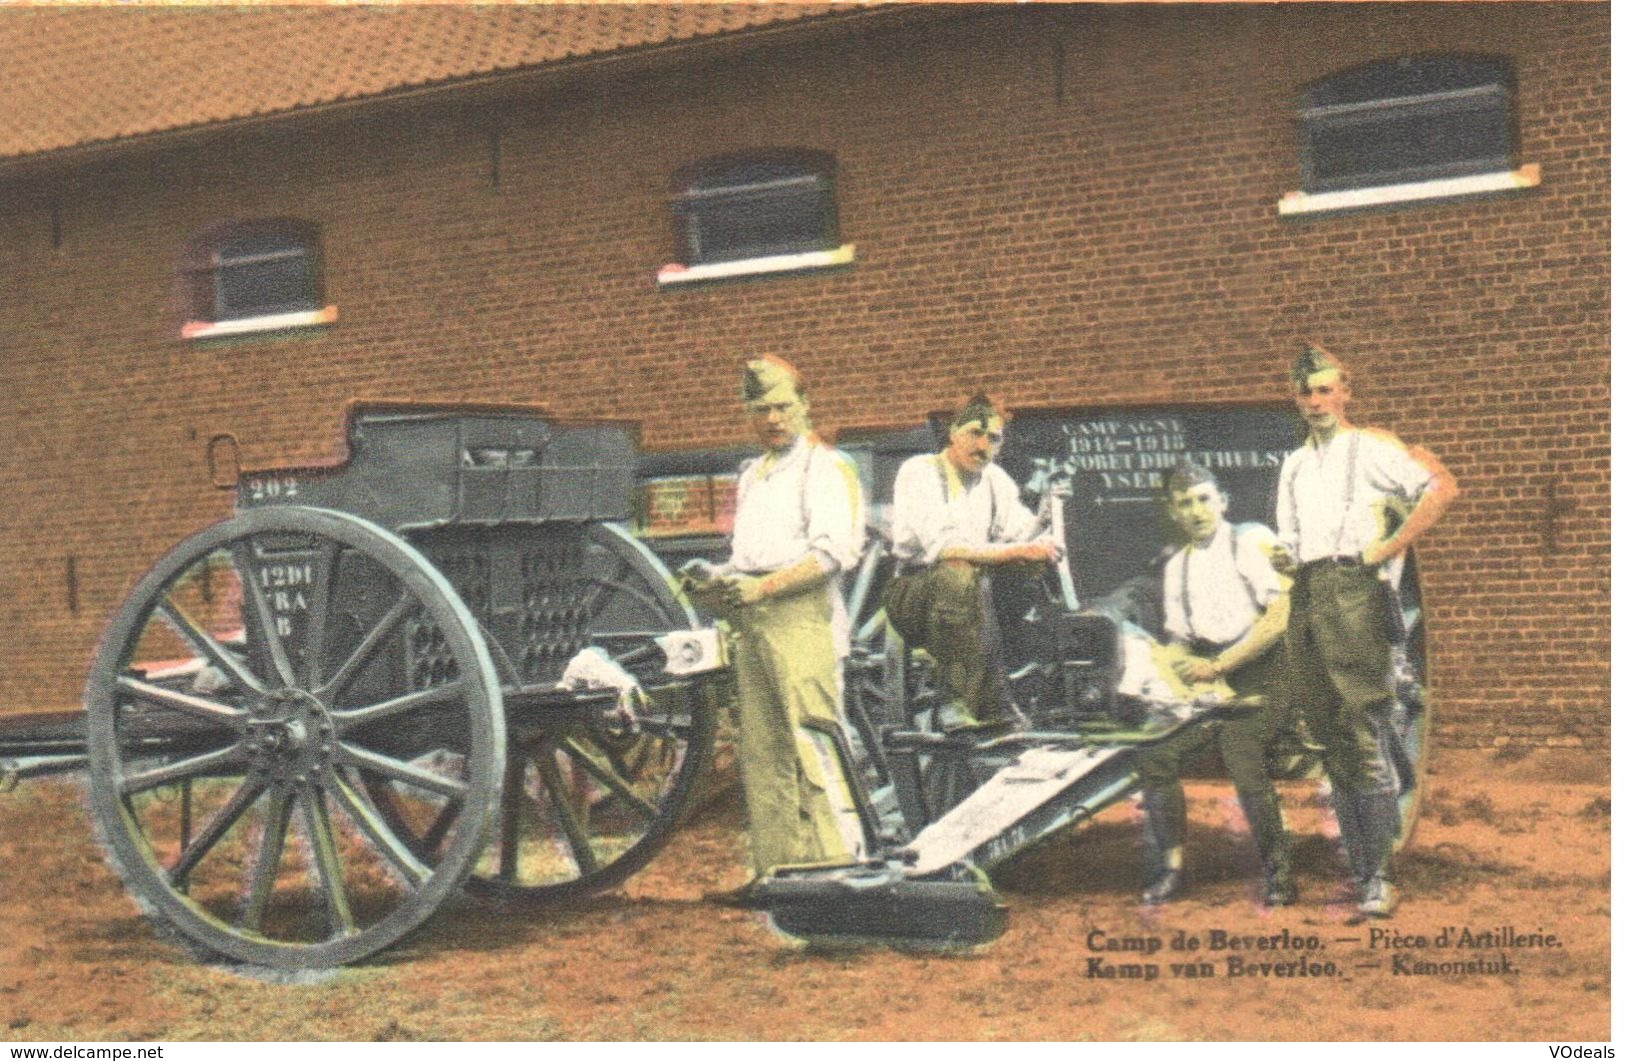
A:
[1013,521]
[1253,547]
[1286,509]
[923,522]
[1393,470]
[741,488]
[1173,612]
[835,519]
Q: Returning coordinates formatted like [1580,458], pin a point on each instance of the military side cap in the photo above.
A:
[1315,358]
[766,373]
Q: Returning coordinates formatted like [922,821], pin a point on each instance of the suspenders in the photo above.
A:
[760,473]
[1348,492]
[945,470]
[1185,580]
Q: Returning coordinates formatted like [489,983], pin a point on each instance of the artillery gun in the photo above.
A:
[444,661]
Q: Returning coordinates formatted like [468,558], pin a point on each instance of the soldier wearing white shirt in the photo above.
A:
[1334,501]
[798,524]
[1226,605]
[954,515]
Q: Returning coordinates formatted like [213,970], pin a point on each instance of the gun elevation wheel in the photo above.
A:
[241,699]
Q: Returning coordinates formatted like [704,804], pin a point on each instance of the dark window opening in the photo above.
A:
[1404,120]
[755,205]
[255,269]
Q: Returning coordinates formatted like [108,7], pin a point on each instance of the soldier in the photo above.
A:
[798,524]
[1335,494]
[1225,607]
[954,515]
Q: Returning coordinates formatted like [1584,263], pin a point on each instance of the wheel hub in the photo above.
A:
[289,735]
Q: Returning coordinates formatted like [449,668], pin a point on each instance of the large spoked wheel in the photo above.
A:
[587,803]
[1413,708]
[245,697]
[889,689]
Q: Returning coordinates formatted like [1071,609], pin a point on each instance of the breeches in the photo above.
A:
[941,609]
[786,669]
[1340,670]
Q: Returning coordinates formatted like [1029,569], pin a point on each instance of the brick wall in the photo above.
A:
[1071,206]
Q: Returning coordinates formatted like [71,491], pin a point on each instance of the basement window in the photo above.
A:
[754,213]
[255,276]
[1408,129]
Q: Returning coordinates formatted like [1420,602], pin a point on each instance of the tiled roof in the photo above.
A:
[83,75]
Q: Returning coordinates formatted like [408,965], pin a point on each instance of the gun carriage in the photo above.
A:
[445,661]
[308,724]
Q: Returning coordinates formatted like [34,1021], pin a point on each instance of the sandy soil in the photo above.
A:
[1519,844]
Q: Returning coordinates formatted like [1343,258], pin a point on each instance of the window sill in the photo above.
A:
[271,322]
[1301,203]
[775,263]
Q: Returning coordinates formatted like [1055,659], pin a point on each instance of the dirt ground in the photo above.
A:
[1508,846]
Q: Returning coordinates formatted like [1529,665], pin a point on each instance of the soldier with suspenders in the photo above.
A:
[1336,492]
[955,515]
[798,524]
[1226,606]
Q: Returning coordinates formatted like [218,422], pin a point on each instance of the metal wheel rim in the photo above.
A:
[1413,739]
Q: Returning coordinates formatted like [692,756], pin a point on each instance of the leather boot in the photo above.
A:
[1165,834]
[1379,817]
[1263,813]
[1347,807]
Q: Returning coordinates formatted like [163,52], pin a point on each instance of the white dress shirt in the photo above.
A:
[1215,592]
[805,501]
[1334,497]
[932,509]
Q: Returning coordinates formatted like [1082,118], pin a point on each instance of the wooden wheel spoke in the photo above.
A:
[575,831]
[242,554]
[636,653]
[610,588]
[513,794]
[386,802]
[442,823]
[350,718]
[326,570]
[609,778]
[186,814]
[205,645]
[309,762]
[217,827]
[616,759]
[325,854]
[187,703]
[368,647]
[599,589]
[268,858]
[377,833]
[398,770]
[196,766]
